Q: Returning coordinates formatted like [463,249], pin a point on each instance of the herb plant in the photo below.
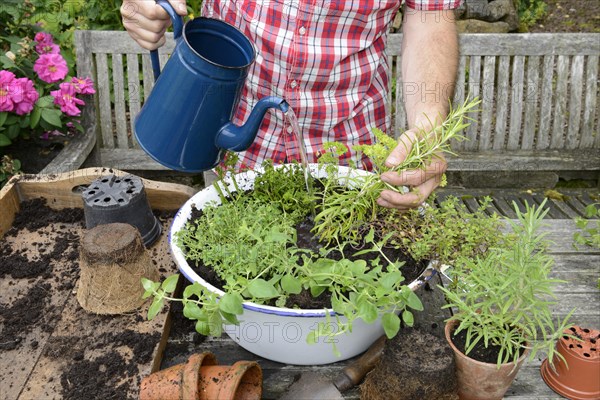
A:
[343,211]
[504,296]
[589,234]
[249,242]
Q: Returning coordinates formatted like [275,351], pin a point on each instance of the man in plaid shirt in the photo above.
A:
[327,60]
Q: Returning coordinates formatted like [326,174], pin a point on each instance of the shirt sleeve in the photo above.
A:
[433,5]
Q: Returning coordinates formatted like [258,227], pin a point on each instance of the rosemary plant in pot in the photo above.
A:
[246,236]
[502,309]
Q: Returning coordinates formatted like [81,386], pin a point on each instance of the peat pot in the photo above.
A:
[274,333]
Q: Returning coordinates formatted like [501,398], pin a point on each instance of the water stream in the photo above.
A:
[292,120]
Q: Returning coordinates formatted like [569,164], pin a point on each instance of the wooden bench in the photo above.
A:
[539,110]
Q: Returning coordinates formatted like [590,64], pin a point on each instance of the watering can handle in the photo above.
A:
[177,22]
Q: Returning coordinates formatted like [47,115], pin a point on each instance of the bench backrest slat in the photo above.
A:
[538,91]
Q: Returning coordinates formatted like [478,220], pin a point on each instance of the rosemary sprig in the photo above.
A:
[344,212]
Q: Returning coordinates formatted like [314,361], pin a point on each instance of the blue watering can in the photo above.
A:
[185,121]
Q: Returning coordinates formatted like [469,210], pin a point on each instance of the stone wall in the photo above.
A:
[481,16]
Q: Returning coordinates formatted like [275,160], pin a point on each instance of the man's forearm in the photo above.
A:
[429,64]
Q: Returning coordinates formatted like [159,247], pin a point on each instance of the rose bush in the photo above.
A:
[37,96]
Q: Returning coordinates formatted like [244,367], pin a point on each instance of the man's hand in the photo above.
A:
[147,22]
[420,182]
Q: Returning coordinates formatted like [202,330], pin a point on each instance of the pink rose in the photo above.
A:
[65,98]
[25,96]
[83,85]
[6,87]
[51,67]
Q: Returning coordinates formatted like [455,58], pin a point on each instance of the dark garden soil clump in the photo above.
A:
[414,365]
[34,154]
[479,352]
[103,376]
[42,325]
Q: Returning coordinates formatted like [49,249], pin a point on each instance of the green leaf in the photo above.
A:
[367,311]
[370,236]
[202,327]
[215,324]
[316,290]
[4,141]
[408,318]
[155,308]
[3,116]
[391,324]
[191,310]
[412,300]
[12,132]
[312,337]
[231,303]
[231,318]
[150,286]
[291,284]
[36,114]
[389,280]
[170,284]
[52,117]
[194,289]
[45,102]
[262,289]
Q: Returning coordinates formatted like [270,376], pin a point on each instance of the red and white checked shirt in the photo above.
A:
[326,58]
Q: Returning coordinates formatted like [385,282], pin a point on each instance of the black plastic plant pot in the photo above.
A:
[120,199]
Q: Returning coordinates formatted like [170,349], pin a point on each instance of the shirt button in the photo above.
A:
[293,84]
[302,30]
[289,129]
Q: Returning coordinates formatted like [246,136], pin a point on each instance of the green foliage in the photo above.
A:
[446,232]
[589,234]
[504,297]
[8,168]
[529,12]
[342,212]
[250,243]
[286,187]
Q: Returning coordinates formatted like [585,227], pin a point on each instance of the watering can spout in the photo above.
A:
[239,138]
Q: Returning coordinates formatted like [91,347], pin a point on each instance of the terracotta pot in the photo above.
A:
[177,382]
[202,379]
[579,378]
[479,380]
[241,381]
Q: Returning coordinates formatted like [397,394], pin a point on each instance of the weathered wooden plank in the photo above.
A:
[401,122]
[119,98]
[576,85]
[104,106]
[564,208]
[516,103]
[553,210]
[147,75]
[526,44]
[531,103]
[133,91]
[589,135]
[543,133]
[474,91]
[487,96]
[555,160]
[459,94]
[560,103]
[120,42]
[501,102]
[128,159]
[74,154]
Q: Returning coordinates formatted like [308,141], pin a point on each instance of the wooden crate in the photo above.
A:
[66,336]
